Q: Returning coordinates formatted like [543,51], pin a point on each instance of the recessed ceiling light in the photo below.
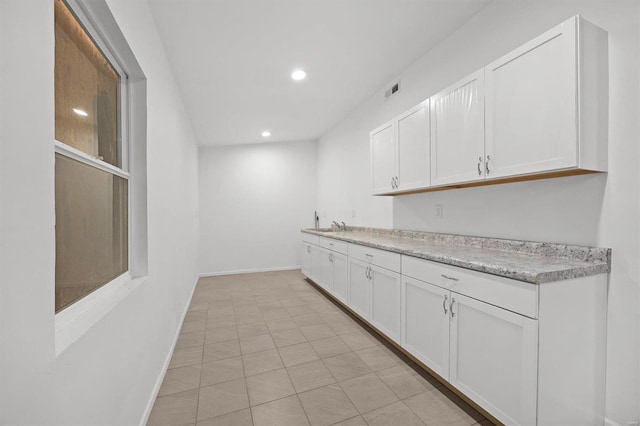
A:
[266,134]
[299,75]
[80,112]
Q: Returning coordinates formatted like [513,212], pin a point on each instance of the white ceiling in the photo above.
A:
[232,59]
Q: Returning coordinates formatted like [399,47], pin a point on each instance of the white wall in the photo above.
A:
[254,199]
[108,375]
[599,210]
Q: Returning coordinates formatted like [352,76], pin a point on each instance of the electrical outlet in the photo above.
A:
[439,212]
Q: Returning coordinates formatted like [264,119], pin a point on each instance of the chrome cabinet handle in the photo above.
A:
[308,249]
[444,304]
[453,300]
[392,184]
[447,277]
[486,165]
[479,162]
[330,257]
[366,272]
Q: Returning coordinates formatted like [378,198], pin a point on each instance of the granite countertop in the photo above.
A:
[527,261]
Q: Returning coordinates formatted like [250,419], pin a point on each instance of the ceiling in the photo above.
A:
[232,59]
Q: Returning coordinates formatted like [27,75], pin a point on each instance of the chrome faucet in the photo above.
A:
[341,227]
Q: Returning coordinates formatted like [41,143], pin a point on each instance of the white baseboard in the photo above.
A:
[609,422]
[165,367]
[248,271]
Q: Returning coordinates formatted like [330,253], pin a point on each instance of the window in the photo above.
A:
[91,171]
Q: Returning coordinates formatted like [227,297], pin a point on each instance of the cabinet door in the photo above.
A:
[340,277]
[316,264]
[414,167]
[306,259]
[385,301]
[359,287]
[425,323]
[494,359]
[326,271]
[531,106]
[457,132]
[383,159]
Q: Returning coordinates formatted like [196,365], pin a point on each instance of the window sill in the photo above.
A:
[73,322]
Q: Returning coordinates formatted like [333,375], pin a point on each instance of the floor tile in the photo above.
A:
[275,313]
[354,421]
[368,392]
[261,362]
[180,379]
[403,381]
[288,337]
[308,319]
[283,412]
[252,329]
[394,414]
[221,350]
[217,322]
[190,340]
[317,331]
[222,398]
[269,386]
[327,405]
[186,356]
[309,376]
[237,418]
[378,357]
[346,366]
[332,346]
[433,408]
[281,324]
[198,306]
[192,326]
[297,354]
[220,334]
[359,340]
[219,371]
[256,344]
[178,408]
[302,309]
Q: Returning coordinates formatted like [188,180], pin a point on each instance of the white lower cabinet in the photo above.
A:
[486,352]
[340,277]
[385,301]
[425,323]
[359,287]
[493,359]
[527,354]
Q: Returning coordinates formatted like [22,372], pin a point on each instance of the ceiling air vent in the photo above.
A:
[395,88]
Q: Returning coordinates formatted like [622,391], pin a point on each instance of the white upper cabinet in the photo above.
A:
[538,98]
[457,132]
[542,109]
[384,162]
[413,148]
[400,152]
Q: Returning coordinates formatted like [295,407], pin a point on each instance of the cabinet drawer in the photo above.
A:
[335,245]
[384,259]
[310,238]
[513,295]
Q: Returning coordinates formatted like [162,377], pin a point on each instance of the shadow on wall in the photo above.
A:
[559,210]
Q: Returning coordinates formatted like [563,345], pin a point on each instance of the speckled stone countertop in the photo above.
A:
[527,261]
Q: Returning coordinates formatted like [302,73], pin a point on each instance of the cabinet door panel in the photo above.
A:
[385,301]
[531,102]
[306,259]
[414,167]
[494,359]
[425,323]
[340,277]
[383,158]
[326,271]
[457,132]
[359,288]
[316,264]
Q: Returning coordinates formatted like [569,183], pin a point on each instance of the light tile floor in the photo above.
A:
[270,349]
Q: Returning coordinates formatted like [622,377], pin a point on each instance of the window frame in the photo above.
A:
[100,40]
